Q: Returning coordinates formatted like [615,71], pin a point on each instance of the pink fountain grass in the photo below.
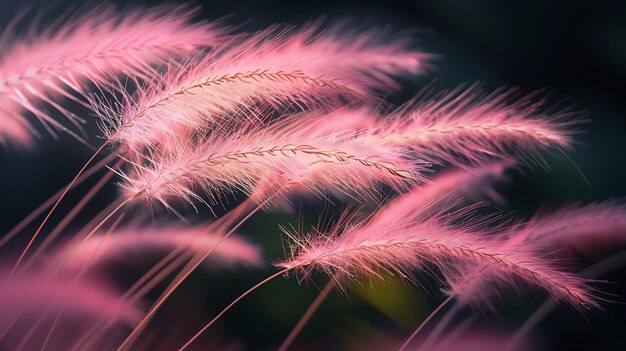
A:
[348,122]
[308,68]
[468,126]
[589,229]
[137,241]
[37,293]
[96,46]
[240,155]
[239,160]
[16,132]
[403,244]
[480,286]
[448,186]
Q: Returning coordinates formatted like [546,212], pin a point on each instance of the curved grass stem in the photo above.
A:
[423,324]
[206,326]
[307,315]
[56,204]
[39,210]
[186,272]
[596,270]
[72,214]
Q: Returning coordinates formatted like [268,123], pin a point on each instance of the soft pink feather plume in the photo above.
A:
[445,241]
[253,153]
[431,197]
[306,68]
[15,131]
[467,126]
[37,293]
[479,285]
[341,121]
[469,181]
[93,48]
[588,229]
[135,241]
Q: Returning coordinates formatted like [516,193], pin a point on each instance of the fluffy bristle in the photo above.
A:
[101,43]
[445,188]
[468,126]
[402,244]
[273,155]
[306,68]
[588,229]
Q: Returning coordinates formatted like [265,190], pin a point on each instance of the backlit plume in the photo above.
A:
[39,69]
[278,68]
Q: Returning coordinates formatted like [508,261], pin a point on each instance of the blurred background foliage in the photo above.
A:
[576,50]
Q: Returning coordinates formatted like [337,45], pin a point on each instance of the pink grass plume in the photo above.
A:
[91,48]
[278,68]
[401,244]
[137,241]
[468,126]
[240,159]
[590,229]
[447,186]
[40,293]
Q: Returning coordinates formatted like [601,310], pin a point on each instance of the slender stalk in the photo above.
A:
[474,276]
[307,316]
[169,292]
[29,334]
[39,210]
[13,321]
[56,204]
[206,326]
[219,226]
[187,273]
[117,207]
[60,312]
[421,326]
[594,271]
[441,326]
[135,292]
[77,280]
[531,322]
[70,216]
[170,262]
[50,332]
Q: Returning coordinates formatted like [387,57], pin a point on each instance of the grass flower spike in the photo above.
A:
[403,244]
[93,48]
[278,68]
[468,126]
[238,161]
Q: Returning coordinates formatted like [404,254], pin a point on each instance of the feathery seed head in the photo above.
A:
[402,244]
[306,69]
[100,44]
